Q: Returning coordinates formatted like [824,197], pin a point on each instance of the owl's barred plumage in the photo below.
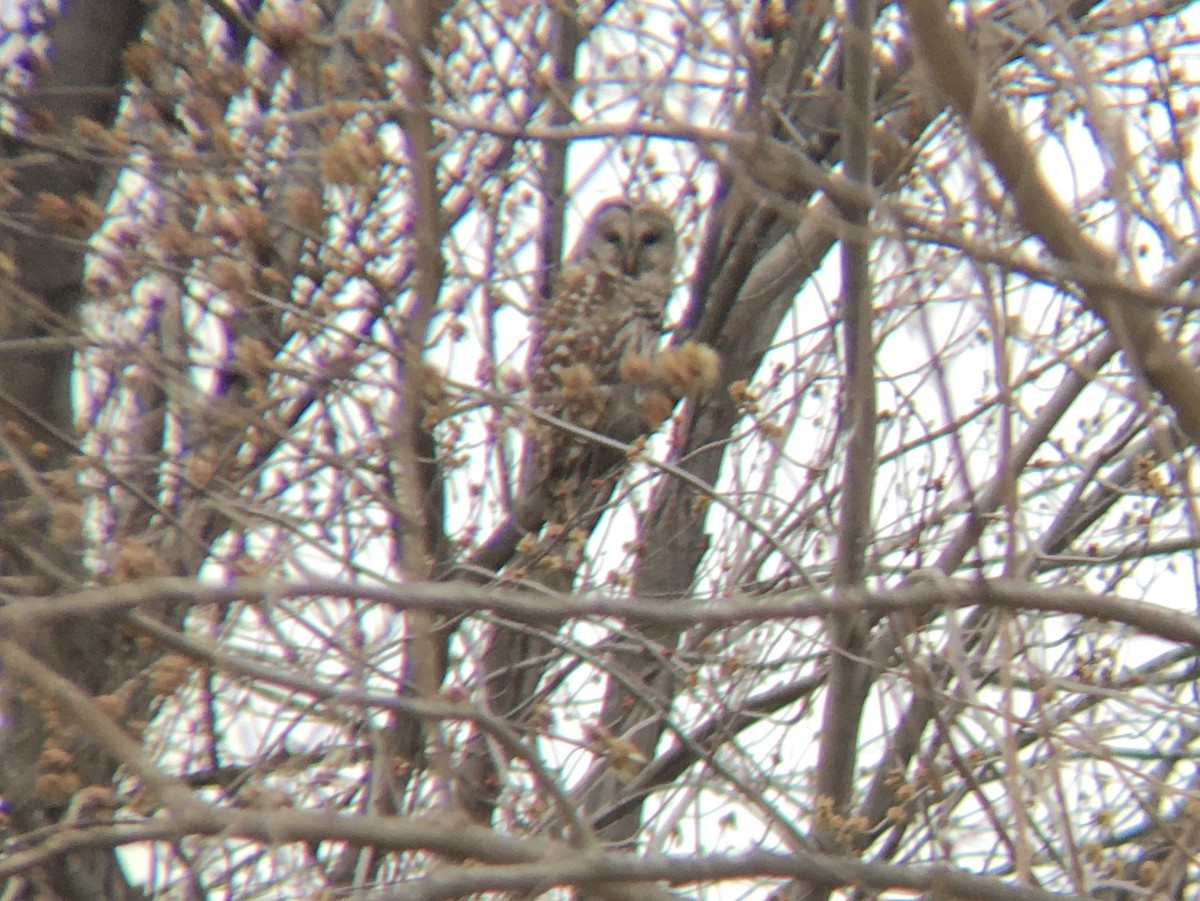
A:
[610,298]
[606,310]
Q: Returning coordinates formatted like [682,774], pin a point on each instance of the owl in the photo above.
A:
[598,332]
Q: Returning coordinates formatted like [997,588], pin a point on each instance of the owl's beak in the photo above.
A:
[631,261]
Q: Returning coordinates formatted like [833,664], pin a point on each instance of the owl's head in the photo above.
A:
[632,239]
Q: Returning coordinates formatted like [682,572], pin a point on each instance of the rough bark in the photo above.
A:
[39,307]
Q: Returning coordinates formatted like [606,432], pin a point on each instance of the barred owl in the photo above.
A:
[601,327]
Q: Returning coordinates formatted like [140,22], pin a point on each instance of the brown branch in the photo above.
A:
[849,677]
[928,591]
[938,881]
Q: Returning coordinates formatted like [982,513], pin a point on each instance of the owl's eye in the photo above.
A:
[612,237]
[651,238]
